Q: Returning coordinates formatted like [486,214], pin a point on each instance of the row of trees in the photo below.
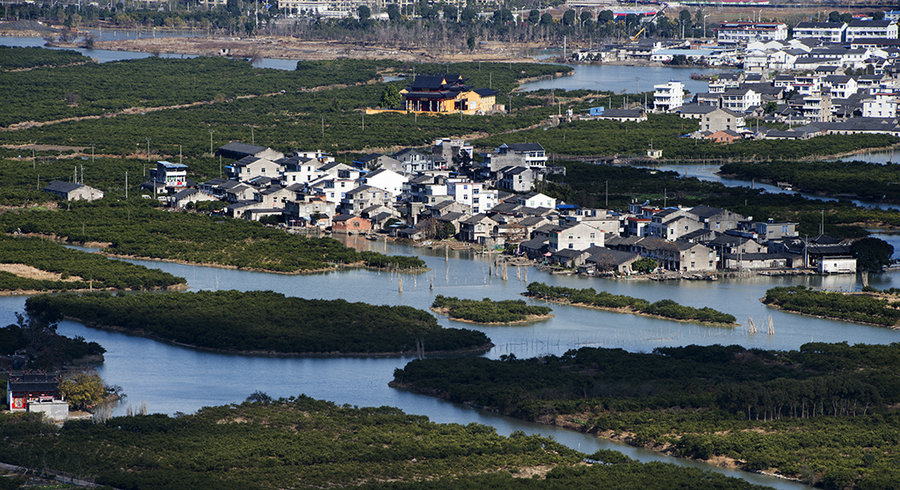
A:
[262,321]
[488,311]
[665,308]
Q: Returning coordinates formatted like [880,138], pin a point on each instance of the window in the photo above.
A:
[571,245]
[693,265]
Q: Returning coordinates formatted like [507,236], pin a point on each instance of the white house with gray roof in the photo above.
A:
[73,192]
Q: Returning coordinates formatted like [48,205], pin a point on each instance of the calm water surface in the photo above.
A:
[171,379]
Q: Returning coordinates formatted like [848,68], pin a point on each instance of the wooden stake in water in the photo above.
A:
[400,287]
[771,326]
[752,328]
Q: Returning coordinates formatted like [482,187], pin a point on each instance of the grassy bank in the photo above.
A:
[487,311]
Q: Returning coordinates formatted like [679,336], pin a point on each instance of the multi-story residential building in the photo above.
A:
[840,86]
[530,155]
[168,175]
[721,120]
[744,32]
[882,104]
[668,96]
[578,236]
[831,32]
[474,194]
[740,99]
[871,29]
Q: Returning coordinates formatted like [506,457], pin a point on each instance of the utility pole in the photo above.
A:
[252,136]
[211,131]
[92,153]
[126,185]
[148,148]
[179,154]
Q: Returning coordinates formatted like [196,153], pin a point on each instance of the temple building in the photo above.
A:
[446,94]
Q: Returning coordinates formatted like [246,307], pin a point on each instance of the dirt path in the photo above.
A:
[141,110]
[29,272]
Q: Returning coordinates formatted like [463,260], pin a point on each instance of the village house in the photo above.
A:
[237,150]
[516,179]
[249,167]
[536,200]
[473,194]
[477,229]
[168,175]
[606,260]
[186,197]
[531,155]
[832,32]
[349,224]
[385,179]
[72,191]
[577,236]
[364,196]
[375,161]
[312,209]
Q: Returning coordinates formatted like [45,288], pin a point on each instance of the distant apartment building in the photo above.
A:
[871,29]
[831,32]
[745,32]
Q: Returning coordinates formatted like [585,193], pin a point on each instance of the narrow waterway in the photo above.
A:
[709,172]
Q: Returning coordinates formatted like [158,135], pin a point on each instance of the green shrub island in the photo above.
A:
[16,58]
[860,308]
[44,347]
[136,229]
[826,413]
[302,442]
[74,269]
[488,311]
[261,321]
[664,308]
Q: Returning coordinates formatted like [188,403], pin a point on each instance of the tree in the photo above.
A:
[470,43]
[450,13]
[834,16]
[586,16]
[605,17]
[569,17]
[771,106]
[468,15]
[534,16]
[872,254]
[546,19]
[390,97]
[364,13]
[393,11]
[83,389]
[644,265]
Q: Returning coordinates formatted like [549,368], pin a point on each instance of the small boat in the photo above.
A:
[371,237]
